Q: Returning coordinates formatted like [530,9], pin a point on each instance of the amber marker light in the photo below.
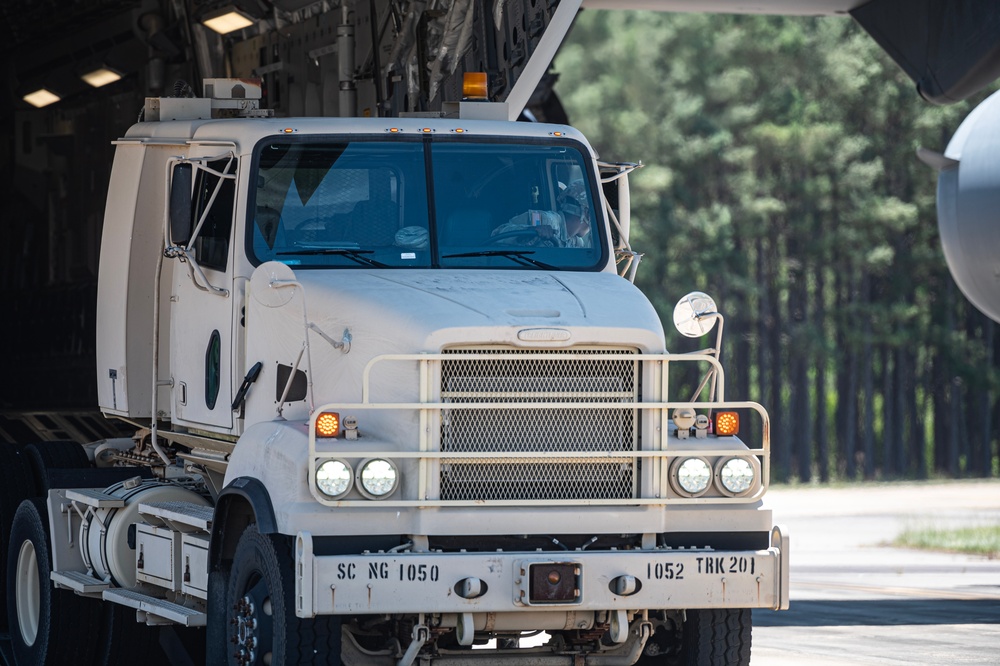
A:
[726,423]
[328,424]
[393,130]
[474,85]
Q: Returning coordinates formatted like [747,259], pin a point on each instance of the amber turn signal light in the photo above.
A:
[726,423]
[328,424]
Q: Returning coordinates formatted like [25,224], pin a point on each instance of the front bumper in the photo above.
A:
[501,582]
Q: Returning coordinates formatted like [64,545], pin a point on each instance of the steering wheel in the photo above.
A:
[522,233]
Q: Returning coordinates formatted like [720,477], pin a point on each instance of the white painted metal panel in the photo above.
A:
[197,316]
[158,551]
[132,240]
[427,582]
[194,565]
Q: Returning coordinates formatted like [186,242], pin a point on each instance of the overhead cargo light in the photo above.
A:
[101,77]
[41,97]
[226,20]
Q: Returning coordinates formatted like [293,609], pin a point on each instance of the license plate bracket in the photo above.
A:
[555,583]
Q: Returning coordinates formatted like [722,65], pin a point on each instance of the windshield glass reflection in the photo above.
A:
[366,204]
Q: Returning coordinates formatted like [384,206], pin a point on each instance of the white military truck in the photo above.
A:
[397,402]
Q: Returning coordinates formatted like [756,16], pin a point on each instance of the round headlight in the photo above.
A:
[334,478]
[693,476]
[737,475]
[377,478]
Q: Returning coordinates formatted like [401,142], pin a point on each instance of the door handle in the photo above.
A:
[245,386]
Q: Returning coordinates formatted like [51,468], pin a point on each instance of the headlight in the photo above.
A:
[693,475]
[737,475]
[377,478]
[334,478]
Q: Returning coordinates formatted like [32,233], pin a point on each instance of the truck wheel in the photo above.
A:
[17,485]
[122,638]
[54,455]
[261,624]
[716,637]
[51,626]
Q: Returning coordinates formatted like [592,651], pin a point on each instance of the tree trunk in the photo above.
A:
[822,423]
[888,415]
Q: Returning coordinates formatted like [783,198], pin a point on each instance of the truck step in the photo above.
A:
[94,498]
[176,514]
[79,582]
[167,610]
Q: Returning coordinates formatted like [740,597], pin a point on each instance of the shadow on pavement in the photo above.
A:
[875,612]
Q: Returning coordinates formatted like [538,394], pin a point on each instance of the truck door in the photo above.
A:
[203,303]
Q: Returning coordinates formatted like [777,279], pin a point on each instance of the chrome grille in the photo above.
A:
[520,376]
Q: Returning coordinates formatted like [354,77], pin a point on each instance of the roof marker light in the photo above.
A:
[393,130]
[289,130]
[474,86]
[556,133]
[427,130]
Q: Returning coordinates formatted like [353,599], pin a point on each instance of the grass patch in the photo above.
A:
[983,540]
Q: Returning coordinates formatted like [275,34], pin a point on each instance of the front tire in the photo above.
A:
[48,626]
[720,637]
[261,625]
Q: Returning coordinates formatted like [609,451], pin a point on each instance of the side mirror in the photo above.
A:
[180,203]
[695,314]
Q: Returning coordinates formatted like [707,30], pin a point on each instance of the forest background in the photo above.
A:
[781,178]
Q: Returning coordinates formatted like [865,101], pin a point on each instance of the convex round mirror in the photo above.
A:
[262,285]
[690,314]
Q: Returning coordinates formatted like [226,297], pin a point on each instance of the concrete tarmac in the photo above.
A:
[857,601]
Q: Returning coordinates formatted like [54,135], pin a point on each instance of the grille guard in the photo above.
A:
[429,457]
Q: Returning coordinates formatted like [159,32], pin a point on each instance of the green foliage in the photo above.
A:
[781,178]
[984,540]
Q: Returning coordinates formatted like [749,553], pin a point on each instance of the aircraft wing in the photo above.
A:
[786,7]
[950,48]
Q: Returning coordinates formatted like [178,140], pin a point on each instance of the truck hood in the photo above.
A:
[423,311]
[386,314]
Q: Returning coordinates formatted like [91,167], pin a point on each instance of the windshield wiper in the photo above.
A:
[350,253]
[519,256]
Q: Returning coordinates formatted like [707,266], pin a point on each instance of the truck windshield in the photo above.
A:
[422,204]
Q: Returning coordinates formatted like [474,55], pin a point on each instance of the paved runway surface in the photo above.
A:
[856,601]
